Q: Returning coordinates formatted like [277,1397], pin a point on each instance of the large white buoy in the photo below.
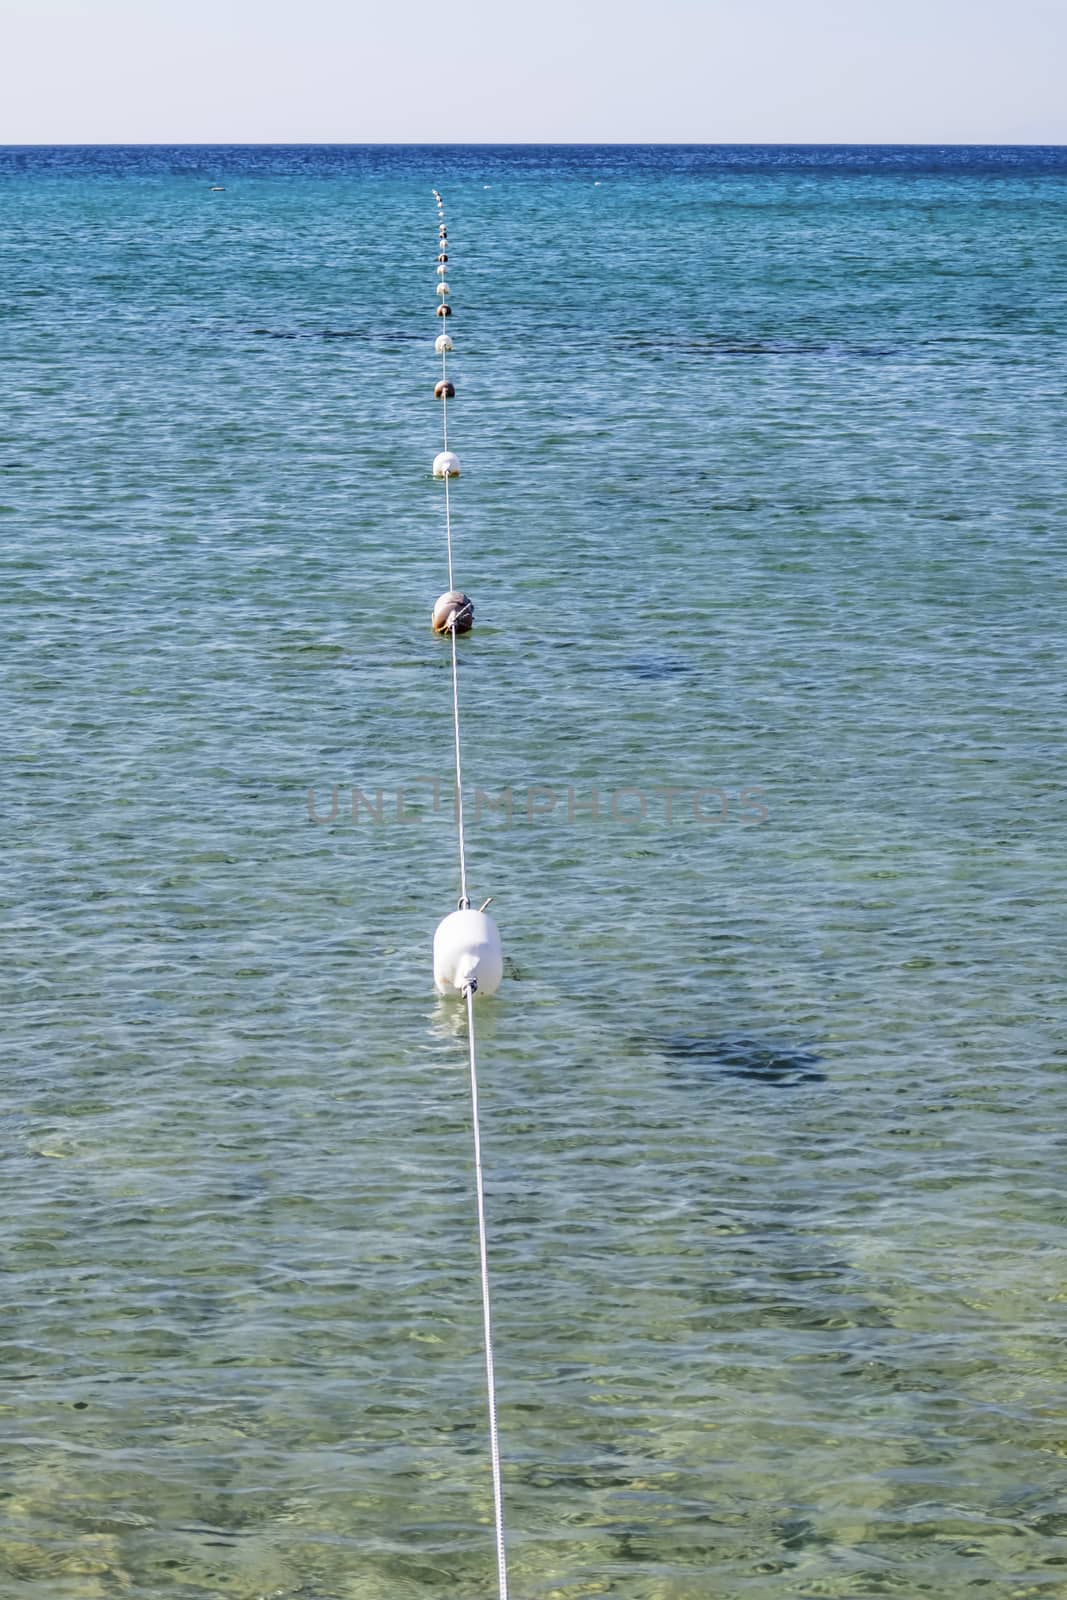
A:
[446,464]
[466,949]
[442,344]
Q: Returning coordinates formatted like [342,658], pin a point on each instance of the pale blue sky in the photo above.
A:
[707,71]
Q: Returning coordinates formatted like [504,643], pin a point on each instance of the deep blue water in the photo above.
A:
[671,162]
[763,513]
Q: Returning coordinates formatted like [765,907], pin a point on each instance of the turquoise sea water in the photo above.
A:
[762,488]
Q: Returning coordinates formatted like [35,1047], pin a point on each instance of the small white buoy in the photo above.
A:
[441,270]
[442,344]
[446,464]
[466,949]
[443,289]
[453,606]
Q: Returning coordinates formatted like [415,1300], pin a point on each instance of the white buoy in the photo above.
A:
[446,464]
[442,344]
[466,948]
[442,269]
[444,289]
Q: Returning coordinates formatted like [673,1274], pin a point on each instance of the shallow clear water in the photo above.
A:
[762,488]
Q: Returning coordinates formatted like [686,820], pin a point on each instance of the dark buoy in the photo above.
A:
[442,257]
[444,389]
[453,606]
[444,309]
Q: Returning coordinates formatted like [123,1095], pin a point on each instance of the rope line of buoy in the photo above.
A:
[466,948]
[487,1320]
[448,521]
[464,897]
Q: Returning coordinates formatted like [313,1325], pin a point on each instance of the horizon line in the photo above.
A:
[533,144]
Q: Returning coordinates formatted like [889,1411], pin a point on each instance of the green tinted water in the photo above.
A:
[762,489]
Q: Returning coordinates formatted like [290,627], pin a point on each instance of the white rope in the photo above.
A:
[448,525]
[487,1317]
[479,1184]
[459,768]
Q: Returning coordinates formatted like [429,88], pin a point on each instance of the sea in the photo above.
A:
[762,510]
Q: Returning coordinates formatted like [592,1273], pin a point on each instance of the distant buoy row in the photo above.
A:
[467,959]
[467,943]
